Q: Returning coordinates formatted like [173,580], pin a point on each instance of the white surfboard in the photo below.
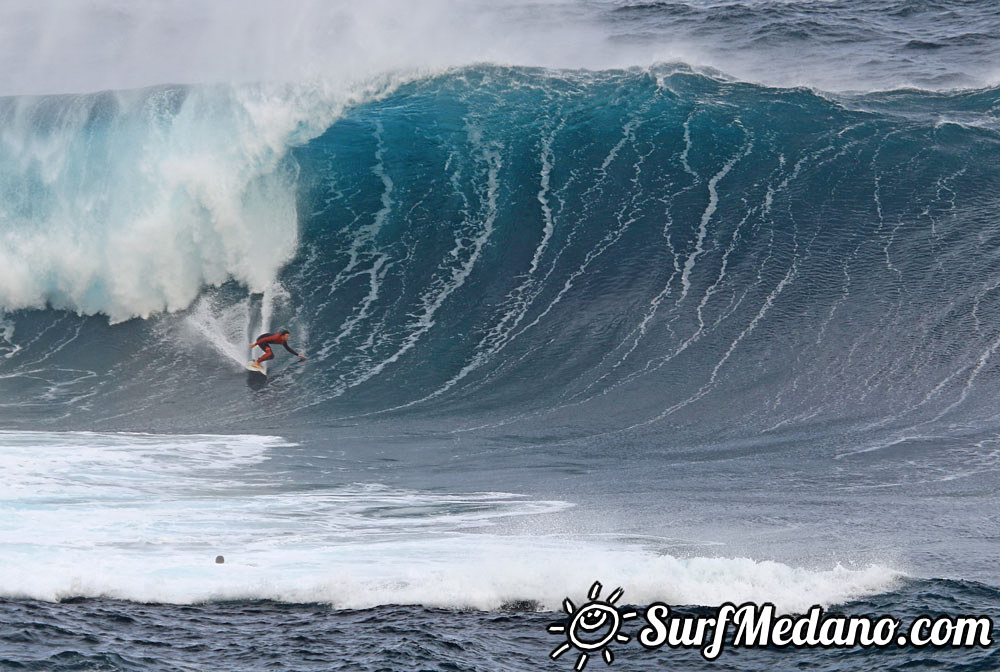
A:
[256,368]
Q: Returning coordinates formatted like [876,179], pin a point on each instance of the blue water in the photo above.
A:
[699,300]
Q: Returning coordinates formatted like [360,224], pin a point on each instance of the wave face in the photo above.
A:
[562,252]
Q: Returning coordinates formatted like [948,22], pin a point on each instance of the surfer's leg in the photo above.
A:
[268,354]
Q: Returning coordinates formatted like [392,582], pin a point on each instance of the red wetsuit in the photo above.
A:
[264,343]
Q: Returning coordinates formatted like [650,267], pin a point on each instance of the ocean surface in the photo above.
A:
[696,299]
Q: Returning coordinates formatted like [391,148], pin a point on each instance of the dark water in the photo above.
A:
[701,305]
[104,635]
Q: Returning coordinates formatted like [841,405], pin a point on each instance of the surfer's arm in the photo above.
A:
[293,352]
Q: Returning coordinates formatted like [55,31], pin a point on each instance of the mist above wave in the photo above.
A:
[53,47]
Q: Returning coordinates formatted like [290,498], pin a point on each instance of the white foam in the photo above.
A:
[142,517]
[138,217]
[7,337]
[225,327]
[229,326]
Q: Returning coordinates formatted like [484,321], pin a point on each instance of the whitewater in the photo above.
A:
[695,299]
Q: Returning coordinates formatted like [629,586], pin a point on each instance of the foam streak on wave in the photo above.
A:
[453,278]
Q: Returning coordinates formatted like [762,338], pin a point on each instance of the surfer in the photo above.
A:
[264,341]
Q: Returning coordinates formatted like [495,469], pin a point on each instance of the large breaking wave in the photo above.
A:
[563,252]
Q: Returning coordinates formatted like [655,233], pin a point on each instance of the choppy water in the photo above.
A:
[103,635]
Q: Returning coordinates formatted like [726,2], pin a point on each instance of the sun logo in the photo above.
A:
[592,627]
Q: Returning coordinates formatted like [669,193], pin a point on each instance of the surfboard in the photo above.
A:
[256,368]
